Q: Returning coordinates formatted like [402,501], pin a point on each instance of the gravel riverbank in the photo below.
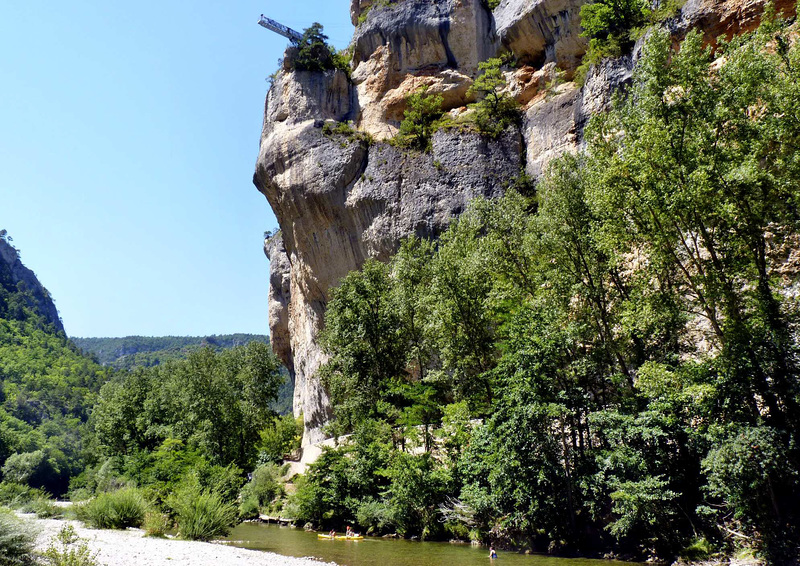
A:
[131,548]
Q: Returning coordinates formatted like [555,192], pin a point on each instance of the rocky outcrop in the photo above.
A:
[341,198]
[443,41]
[280,294]
[14,274]
[724,18]
[555,120]
[542,31]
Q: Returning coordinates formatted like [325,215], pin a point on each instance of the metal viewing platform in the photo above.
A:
[280,29]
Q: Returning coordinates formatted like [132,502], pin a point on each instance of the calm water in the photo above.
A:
[387,552]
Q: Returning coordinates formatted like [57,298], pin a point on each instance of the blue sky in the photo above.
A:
[129,137]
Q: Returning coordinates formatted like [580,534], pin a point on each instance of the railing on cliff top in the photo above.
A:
[280,29]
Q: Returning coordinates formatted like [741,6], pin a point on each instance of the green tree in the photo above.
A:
[496,110]
[314,53]
[421,119]
[613,18]
[364,338]
[215,402]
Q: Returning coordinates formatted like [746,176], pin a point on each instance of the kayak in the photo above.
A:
[339,537]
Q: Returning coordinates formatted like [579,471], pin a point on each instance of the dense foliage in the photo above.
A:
[421,118]
[496,110]
[47,390]
[141,444]
[132,352]
[137,351]
[208,409]
[612,26]
[314,53]
[611,365]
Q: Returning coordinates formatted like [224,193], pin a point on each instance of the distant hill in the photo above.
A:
[138,351]
[144,351]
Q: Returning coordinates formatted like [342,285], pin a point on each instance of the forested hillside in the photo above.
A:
[65,419]
[47,390]
[133,352]
[137,351]
[609,363]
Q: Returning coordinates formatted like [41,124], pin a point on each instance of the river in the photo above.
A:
[387,552]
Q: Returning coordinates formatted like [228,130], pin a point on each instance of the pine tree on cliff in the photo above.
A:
[314,52]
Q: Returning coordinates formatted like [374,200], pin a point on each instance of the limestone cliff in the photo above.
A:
[342,198]
[15,275]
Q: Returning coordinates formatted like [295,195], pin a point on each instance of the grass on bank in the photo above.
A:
[17,540]
[201,514]
[115,510]
[67,549]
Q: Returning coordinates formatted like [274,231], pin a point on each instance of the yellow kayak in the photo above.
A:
[339,537]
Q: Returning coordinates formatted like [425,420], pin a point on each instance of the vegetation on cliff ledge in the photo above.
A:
[611,365]
[314,53]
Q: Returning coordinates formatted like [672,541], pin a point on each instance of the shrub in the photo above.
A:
[262,489]
[156,524]
[422,117]
[496,111]
[31,468]
[314,53]
[377,4]
[374,515]
[116,510]
[751,472]
[80,494]
[249,509]
[16,495]
[613,18]
[70,550]
[161,472]
[201,514]
[699,549]
[17,540]
[44,508]
[287,424]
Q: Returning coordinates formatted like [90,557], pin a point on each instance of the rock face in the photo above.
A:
[724,18]
[554,122]
[341,198]
[16,274]
[542,31]
[442,41]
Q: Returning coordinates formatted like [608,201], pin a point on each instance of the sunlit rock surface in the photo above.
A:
[340,199]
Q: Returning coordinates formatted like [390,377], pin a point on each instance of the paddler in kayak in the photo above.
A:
[349,533]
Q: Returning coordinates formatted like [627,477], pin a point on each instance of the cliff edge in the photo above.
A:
[343,194]
[15,276]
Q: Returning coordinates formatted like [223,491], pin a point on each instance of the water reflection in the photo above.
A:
[387,552]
